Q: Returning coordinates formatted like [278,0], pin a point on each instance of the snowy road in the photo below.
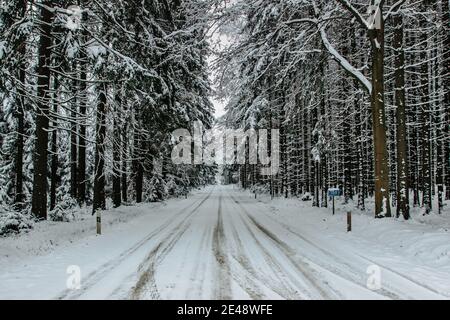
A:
[218,244]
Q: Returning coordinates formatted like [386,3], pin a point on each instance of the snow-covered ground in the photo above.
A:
[221,243]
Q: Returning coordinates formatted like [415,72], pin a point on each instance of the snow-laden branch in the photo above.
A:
[343,62]
[347,5]
[394,8]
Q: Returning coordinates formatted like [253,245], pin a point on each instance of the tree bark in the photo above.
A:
[99,180]
[39,197]
[73,140]
[399,92]
[446,86]
[54,150]
[424,112]
[81,187]
[138,168]
[20,115]
[382,203]
[117,199]
[124,162]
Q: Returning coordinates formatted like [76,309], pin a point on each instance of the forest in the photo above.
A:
[92,90]
[359,92]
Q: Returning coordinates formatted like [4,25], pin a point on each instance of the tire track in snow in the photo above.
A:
[323,288]
[200,268]
[351,276]
[245,279]
[146,285]
[284,288]
[388,291]
[252,276]
[92,278]
[146,282]
[223,290]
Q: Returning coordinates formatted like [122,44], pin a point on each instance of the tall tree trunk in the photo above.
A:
[139,181]
[446,87]
[117,199]
[54,150]
[99,180]
[138,168]
[442,152]
[73,140]
[306,157]
[81,176]
[440,163]
[83,102]
[20,115]
[360,152]
[402,153]
[425,117]
[39,197]
[347,156]
[382,204]
[124,162]
[19,197]
[323,115]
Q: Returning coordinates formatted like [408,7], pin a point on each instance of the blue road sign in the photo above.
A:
[334,192]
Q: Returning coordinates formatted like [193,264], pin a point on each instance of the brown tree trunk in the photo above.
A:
[81,175]
[124,163]
[20,114]
[138,168]
[382,203]
[446,87]
[54,150]
[99,180]
[73,141]
[402,152]
[443,143]
[117,199]
[424,113]
[39,197]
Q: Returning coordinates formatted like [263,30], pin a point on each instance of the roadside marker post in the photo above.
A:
[334,192]
[349,221]
[99,223]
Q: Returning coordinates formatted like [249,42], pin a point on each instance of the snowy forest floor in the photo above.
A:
[221,243]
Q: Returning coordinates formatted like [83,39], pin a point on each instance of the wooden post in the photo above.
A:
[99,223]
[255,194]
[349,221]
[333,205]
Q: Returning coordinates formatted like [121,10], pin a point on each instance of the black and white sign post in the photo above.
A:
[99,223]
[334,192]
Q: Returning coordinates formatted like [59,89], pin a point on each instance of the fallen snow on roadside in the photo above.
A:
[46,236]
[418,249]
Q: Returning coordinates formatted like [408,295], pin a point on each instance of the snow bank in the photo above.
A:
[393,244]
[47,235]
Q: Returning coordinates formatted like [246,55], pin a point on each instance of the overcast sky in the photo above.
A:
[217,41]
